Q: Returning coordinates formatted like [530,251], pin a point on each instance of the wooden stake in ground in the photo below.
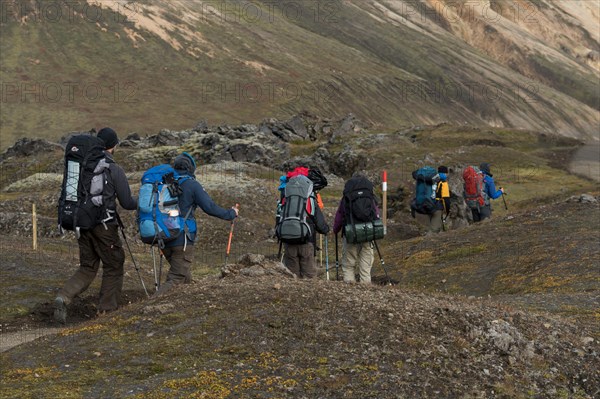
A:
[34,224]
[384,189]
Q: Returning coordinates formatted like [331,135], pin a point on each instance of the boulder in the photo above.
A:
[347,162]
[26,147]
[319,159]
[297,127]
[256,265]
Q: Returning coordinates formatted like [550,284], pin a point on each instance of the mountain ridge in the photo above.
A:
[171,64]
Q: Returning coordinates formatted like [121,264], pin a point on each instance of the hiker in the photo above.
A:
[301,218]
[431,204]
[180,252]
[101,243]
[356,255]
[489,192]
[442,193]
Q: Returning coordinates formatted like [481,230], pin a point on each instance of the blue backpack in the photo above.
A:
[159,216]
[424,201]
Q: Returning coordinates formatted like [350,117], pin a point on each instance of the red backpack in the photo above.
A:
[473,187]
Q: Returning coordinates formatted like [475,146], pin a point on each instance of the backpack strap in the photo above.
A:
[154,200]
[186,230]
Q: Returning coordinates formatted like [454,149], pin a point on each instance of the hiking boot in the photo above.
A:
[60,310]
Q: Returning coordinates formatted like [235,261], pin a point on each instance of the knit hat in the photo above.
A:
[185,162]
[443,169]
[109,137]
[485,168]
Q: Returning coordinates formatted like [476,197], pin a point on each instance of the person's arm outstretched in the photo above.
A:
[491,188]
[203,200]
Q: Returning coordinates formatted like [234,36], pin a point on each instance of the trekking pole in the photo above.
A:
[444,216]
[326,259]
[504,200]
[337,262]
[321,251]
[280,251]
[387,277]
[230,237]
[160,266]
[137,269]
[154,269]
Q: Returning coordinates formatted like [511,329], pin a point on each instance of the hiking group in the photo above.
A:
[169,196]
[431,205]
[92,183]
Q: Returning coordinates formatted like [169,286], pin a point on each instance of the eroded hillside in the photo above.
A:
[141,66]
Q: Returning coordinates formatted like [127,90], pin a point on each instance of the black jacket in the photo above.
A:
[117,187]
[317,224]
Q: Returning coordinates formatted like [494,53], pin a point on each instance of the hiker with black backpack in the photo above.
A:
[179,252]
[300,221]
[92,183]
[358,218]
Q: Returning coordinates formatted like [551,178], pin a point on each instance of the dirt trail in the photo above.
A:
[586,161]
[9,340]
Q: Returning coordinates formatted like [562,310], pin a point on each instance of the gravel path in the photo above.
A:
[586,161]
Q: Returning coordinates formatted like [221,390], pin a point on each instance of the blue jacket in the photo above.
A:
[490,188]
[193,196]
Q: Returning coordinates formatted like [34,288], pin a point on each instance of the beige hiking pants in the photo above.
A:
[357,256]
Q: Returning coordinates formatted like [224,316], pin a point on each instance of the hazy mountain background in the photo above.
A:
[145,65]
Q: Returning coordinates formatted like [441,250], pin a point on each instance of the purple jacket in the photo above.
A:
[340,216]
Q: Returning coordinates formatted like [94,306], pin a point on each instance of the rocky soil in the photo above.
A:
[264,335]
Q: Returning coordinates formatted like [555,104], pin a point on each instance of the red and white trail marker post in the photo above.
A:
[384,189]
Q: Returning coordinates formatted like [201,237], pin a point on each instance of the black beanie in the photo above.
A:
[485,168]
[185,162]
[109,137]
[443,169]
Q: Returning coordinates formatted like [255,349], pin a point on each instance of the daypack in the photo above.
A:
[362,221]
[297,205]
[424,200]
[159,217]
[474,196]
[82,204]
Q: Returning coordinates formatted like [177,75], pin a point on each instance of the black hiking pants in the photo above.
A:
[483,213]
[100,244]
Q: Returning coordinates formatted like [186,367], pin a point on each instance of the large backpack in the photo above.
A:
[159,217]
[359,201]
[82,204]
[424,201]
[474,196]
[297,205]
[362,221]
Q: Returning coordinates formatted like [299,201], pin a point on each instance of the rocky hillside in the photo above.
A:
[142,66]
